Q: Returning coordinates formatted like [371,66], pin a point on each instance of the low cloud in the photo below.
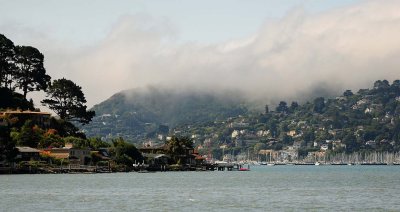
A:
[293,58]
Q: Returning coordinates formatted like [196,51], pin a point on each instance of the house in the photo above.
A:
[27,153]
[155,160]
[371,143]
[291,133]
[238,125]
[262,133]
[42,119]
[73,155]
[338,144]
[324,147]
[235,133]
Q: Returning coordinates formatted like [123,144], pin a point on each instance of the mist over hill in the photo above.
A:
[140,113]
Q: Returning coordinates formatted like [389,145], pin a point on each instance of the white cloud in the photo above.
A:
[290,58]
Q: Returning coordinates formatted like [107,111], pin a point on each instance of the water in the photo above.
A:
[278,188]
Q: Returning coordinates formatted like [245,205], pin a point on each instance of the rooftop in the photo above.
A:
[24,112]
[27,149]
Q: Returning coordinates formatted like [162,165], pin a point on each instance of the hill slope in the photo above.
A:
[137,114]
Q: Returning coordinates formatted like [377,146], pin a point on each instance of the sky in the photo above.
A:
[268,50]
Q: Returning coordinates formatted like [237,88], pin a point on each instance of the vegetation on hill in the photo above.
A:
[353,122]
[367,120]
[138,115]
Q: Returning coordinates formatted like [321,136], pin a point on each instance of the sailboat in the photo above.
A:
[271,163]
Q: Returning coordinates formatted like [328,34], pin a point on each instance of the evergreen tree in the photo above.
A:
[68,101]
[31,74]
[7,54]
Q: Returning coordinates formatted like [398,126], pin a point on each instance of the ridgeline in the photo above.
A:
[367,120]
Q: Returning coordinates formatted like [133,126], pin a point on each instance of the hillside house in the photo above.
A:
[291,133]
[42,119]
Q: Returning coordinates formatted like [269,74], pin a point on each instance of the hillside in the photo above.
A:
[139,114]
[353,122]
[367,120]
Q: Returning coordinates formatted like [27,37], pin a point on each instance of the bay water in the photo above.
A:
[264,188]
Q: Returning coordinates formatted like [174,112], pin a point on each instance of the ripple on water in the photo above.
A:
[287,188]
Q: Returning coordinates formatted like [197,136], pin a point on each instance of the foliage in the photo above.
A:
[10,99]
[177,147]
[7,145]
[282,107]
[30,74]
[21,67]
[124,152]
[30,135]
[67,100]
[7,53]
[76,142]
[51,139]
[319,104]
[259,146]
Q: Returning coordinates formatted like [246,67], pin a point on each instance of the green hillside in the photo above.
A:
[139,114]
[367,120]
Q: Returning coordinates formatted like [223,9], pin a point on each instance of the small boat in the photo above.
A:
[317,163]
[244,169]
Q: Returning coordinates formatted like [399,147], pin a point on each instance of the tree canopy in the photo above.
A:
[68,101]
[30,73]
[7,53]
[177,146]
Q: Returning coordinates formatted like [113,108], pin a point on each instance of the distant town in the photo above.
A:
[187,133]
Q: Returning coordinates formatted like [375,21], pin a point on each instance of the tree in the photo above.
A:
[51,140]
[7,146]
[31,74]
[259,146]
[294,106]
[10,99]
[30,135]
[319,104]
[309,135]
[348,93]
[177,147]
[97,143]
[7,53]
[76,142]
[282,107]
[125,153]
[67,100]
[381,84]
[396,83]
